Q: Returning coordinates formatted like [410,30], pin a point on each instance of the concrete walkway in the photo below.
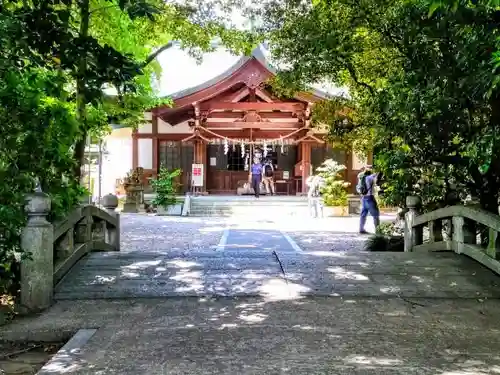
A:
[259,303]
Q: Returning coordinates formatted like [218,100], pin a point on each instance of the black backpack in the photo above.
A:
[363,188]
[268,170]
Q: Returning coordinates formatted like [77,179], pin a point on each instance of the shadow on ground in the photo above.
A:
[235,273]
[311,335]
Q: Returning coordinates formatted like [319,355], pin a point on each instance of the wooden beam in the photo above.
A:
[240,94]
[264,95]
[255,106]
[161,136]
[236,134]
[256,134]
[252,125]
[240,115]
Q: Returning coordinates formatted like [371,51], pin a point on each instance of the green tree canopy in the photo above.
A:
[57,57]
[423,85]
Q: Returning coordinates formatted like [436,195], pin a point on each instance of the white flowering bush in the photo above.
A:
[334,190]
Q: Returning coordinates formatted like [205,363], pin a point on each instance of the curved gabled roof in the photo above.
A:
[256,54]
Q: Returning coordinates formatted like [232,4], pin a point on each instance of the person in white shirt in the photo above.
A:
[314,198]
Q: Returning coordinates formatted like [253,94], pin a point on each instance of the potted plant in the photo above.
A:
[165,187]
[334,189]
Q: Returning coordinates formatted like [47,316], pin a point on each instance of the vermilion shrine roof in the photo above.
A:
[251,71]
[256,54]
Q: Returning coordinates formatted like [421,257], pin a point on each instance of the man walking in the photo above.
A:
[366,184]
[256,171]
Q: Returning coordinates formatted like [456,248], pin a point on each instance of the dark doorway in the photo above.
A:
[235,162]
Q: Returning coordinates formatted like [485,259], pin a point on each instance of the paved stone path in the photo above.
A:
[255,301]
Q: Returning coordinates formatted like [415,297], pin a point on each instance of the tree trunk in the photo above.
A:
[79,155]
[81,102]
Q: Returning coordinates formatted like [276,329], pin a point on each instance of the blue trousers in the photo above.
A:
[369,206]
[256,179]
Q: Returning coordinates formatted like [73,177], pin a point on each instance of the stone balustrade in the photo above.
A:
[454,228]
[54,248]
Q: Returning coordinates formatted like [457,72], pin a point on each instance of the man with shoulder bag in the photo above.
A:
[367,181]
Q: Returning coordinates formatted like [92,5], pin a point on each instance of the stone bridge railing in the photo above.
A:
[462,229]
[54,248]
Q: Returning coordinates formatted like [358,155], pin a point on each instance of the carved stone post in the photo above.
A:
[83,230]
[66,245]
[470,226]
[37,273]
[493,243]
[413,236]
[112,234]
[458,233]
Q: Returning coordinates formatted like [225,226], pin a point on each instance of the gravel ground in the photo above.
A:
[159,233]
[328,241]
[332,234]
[140,232]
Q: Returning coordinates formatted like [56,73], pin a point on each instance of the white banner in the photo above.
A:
[197,175]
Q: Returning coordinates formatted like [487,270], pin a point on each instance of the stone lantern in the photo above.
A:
[133,190]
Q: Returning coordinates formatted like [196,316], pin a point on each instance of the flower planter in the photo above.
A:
[174,210]
[335,211]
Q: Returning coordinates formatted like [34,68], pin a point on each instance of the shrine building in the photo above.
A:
[220,124]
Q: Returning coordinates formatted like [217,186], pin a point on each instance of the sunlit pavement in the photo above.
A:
[233,296]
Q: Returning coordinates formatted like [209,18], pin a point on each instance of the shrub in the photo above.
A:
[334,190]
[36,138]
[389,237]
[379,242]
[165,186]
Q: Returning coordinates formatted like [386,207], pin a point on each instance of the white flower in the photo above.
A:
[17,256]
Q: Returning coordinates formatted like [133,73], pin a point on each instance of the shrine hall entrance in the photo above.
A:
[227,172]
[236,161]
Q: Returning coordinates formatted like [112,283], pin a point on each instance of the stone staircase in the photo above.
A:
[227,206]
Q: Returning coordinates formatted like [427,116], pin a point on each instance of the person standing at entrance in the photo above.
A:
[366,187]
[269,177]
[256,171]
[314,198]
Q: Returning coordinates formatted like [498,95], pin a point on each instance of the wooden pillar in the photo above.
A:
[203,151]
[155,145]
[305,163]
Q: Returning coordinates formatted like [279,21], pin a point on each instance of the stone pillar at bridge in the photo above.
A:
[37,239]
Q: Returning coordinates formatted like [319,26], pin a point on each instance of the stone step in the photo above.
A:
[254,202]
[197,213]
[248,210]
